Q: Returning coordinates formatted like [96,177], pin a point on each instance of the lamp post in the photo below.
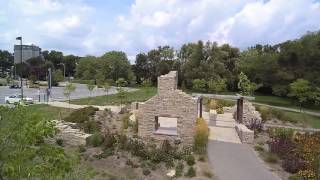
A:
[64,71]
[20,38]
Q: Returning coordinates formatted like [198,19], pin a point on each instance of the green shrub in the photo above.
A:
[281,133]
[265,113]
[295,177]
[59,142]
[225,103]
[179,169]
[277,113]
[146,172]
[207,173]
[202,159]
[112,177]
[199,85]
[201,135]
[109,141]
[220,110]
[81,149]
[191,172]
[83,118]
[271,158]
[125,121]
[213,104]
[90,126]
[287,118]
[81,115]
[95,140]
[190,160]
[258,148]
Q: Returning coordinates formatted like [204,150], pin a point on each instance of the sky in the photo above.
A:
[93,27]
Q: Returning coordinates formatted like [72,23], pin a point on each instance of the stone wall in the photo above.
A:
[250,115]
[246,135]
[70,135]
[169,102]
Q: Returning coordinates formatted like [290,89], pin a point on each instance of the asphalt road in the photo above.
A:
[56,92]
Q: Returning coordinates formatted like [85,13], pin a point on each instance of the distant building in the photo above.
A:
[28,52]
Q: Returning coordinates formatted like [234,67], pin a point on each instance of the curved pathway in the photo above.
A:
[289,109]
[230,159]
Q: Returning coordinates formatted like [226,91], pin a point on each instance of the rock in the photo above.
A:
[171,173]
[132,118]
[70,135]
[213,115]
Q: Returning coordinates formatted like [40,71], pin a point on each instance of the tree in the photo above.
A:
[70,62]
[24,153]
[301,91]
[217,86]
[121,95]
[106,88]
[6,60]
[199,85]
[90,87]
[121,82]
[68,90]
[57,76]
[117,65]
[246,87]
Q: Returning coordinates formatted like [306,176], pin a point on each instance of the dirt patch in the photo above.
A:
[123,165]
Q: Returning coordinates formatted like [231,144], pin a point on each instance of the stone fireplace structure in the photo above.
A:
[169,115]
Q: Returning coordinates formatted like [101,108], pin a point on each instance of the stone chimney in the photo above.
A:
[167,82]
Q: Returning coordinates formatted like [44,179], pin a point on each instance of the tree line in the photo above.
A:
[202,66]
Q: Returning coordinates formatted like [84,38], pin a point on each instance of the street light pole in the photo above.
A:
[20,38]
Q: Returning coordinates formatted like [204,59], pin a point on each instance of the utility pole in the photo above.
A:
[20,38]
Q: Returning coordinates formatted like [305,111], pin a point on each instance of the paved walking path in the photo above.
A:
[277,107]
[223,129]
[302,129]
[115,109]
[288,109]
[230,159]
[233,161]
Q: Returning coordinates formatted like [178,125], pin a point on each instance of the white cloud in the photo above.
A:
[268,22]
[35,7]
[57,27]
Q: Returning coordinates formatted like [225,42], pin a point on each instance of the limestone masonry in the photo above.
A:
[171,104]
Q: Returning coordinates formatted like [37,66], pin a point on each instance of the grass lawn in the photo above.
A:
[48,112]
[308,120]
[142,94]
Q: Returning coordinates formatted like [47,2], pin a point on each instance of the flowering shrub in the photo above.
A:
[201,135]
[300,152]
[293,163]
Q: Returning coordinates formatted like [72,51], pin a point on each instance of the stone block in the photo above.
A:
[246,135]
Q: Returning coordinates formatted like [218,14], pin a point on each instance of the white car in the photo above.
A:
[15,99]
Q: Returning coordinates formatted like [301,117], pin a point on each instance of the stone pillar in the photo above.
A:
[200,113]
[240,109]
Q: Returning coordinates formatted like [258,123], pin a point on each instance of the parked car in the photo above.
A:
[14,86]
[15,99]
